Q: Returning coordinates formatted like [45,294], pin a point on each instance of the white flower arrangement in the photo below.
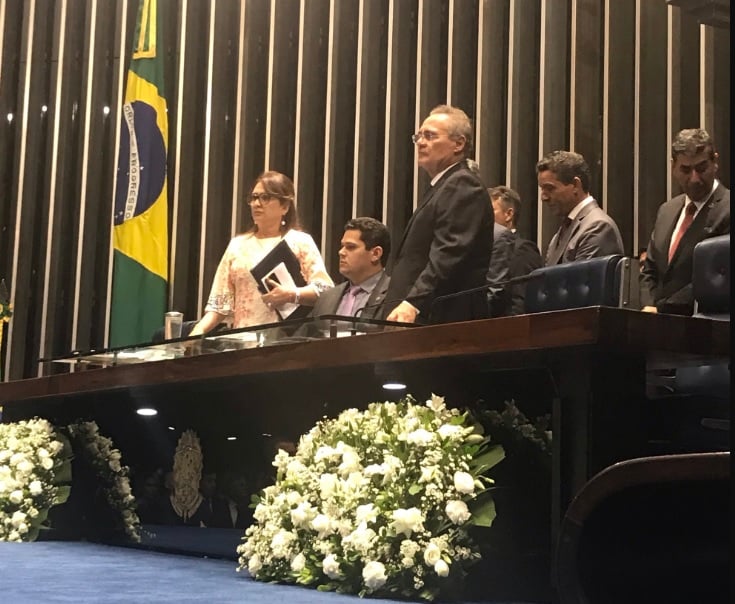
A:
[34,474]
[377,502]
[113,476]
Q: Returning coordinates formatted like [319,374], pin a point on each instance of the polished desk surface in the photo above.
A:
[664,339]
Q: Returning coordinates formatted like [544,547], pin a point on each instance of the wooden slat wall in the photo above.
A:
[329,92]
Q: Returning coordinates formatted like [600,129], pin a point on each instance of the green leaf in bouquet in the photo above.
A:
[492,457]
[62,494]
[415,488]
[483,510]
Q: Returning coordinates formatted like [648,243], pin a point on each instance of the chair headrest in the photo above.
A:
[593,282]
[711,277]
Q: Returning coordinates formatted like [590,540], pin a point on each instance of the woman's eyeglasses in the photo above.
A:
[263,198]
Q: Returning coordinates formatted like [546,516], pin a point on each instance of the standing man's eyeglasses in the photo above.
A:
[427,135]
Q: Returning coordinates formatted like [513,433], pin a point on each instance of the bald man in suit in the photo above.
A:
[701,211]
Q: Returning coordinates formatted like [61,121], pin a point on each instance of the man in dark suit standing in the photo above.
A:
[700,212]
[586,230]
[524,255]
[446,245]
[363,252]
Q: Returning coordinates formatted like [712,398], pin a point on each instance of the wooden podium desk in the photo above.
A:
[595,358]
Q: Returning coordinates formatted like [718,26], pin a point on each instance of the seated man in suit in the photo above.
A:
[524,254]
[498,296]
[364,250]
[586,230]
[702,210]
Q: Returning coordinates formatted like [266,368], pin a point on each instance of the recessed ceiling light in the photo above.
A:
[147,411]
[394,386]
[232,438]
[171,428]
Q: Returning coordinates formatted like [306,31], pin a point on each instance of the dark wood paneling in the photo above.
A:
[283,94]
[554,109]
[524,114]
[221,142]
[620,118]
[653,152]
[463,44]
[340,149]
[32,204]
[370,131]
[313,113]
[587,100]
[491,140]
[400,169]
[719,107]
[190,177]
[67,85]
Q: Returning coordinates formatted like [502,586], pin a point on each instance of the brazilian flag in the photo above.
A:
[140,269]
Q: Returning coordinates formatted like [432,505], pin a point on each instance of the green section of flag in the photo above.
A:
[140,302]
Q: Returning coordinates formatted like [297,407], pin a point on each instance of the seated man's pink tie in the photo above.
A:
[347,304]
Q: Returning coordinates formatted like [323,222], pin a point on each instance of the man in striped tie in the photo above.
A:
[701,211]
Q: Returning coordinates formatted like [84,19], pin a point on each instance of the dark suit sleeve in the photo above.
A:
[526,258]
[458,226]
[499,271]
[649,276]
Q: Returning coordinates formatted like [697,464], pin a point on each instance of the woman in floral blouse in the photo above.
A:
[235,297]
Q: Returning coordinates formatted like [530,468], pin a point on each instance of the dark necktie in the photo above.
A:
[562,232]
[691,209]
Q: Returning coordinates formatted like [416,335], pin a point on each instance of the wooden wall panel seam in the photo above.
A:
[53,175]
[27,51]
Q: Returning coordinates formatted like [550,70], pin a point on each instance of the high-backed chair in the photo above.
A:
[652,529]
[694,414]
[603,281]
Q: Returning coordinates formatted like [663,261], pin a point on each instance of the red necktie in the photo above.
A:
[691,209]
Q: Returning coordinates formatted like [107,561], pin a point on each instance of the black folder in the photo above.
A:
[281,258]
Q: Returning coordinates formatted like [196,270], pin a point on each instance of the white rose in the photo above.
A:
[47,463]
[441,568]
[419,437]
[17,519]
[114,465]
[3,486]
[463,482]
[298,563]
[302,514]
[254,564]
[16,496]
[457,511]
[25,467]
[36,488]
[366,513]
[374,575]
[407,521]
[447,431]
[321,525]
[432,554]
[436,403]
[330,566]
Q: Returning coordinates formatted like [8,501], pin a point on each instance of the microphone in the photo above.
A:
[439,300]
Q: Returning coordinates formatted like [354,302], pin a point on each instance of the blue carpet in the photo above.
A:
[80,572]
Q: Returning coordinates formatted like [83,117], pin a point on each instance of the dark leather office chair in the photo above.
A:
[693,411]
[603,281]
